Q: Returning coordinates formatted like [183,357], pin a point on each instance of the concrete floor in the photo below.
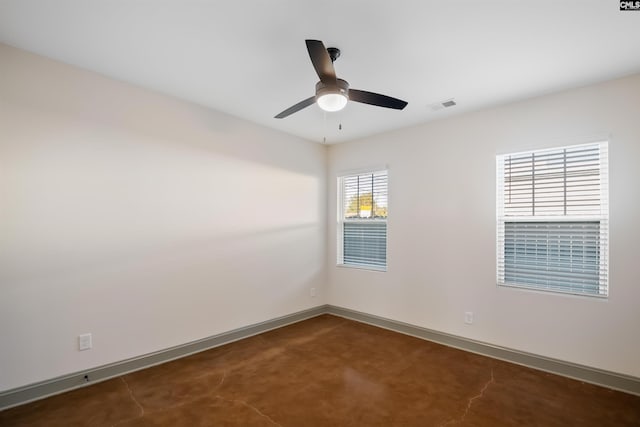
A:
[329,371]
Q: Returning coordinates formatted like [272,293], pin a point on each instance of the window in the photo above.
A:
[553,219]
[362,220]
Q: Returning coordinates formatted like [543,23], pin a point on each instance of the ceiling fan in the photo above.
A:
[333,93]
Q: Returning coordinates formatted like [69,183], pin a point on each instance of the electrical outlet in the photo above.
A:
[84,342]
[468,317]
[312,292]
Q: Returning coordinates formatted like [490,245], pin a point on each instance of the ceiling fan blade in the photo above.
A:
[321,61]
[299,106]
[376,99]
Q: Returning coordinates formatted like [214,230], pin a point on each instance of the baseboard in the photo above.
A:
[583,373]
[40,390]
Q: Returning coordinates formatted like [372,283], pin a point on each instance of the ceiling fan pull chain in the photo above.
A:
[324,127]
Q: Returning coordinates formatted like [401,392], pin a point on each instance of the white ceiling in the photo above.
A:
[248,57]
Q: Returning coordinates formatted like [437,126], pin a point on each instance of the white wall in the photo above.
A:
[441,244]
[145,220]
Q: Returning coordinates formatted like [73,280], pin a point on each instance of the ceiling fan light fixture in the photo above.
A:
[332,97]
[332,101]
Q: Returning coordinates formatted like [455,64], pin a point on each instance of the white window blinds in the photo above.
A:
[362,218]
[552,219]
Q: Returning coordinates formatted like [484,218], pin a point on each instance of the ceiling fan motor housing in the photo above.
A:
[341,87]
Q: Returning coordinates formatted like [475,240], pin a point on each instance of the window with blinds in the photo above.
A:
[553,219]
[362,220]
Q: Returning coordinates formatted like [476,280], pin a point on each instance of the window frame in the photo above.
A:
[341,220]
[603,237]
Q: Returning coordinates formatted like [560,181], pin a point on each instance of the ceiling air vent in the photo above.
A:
[443,104]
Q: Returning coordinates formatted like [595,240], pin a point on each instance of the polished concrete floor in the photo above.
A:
[329,371]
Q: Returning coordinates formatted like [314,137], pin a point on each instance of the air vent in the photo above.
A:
[443,104]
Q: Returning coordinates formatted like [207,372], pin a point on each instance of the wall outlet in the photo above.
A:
[312,292]
[84,342]
[468,317]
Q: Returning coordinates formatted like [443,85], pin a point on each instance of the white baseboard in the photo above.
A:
[40,390]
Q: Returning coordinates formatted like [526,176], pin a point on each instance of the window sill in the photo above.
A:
[363,267]
[552,291]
